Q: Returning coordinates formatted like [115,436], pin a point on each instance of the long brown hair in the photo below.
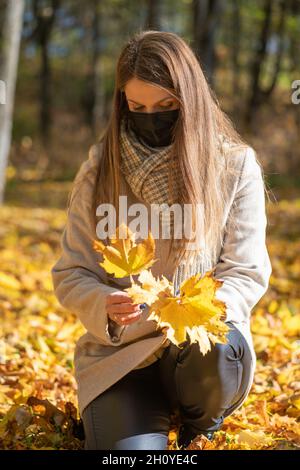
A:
[164,59]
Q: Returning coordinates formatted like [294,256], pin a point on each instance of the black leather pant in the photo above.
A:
[134,413]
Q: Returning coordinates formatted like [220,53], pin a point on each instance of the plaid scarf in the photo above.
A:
[146,171]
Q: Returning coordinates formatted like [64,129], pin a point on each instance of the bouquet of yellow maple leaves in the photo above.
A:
[195,310]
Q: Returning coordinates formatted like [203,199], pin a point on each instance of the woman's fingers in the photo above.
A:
[125,319]
[128,319]
[121,309]
[118,297]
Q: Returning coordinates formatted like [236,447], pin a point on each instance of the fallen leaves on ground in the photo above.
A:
[38,404]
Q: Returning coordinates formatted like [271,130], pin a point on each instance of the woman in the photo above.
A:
[167,142]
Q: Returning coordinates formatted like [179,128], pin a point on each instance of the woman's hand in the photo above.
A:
[121,309]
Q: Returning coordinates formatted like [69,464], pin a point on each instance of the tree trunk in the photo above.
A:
[206,15]
[97,72]
[12,31]
[259,58]
[294,74]
[236,37]
[45,17]
[153,15]
[283,8]
[93,95]
[45,98]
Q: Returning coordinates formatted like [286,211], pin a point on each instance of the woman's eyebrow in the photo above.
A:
[166,98]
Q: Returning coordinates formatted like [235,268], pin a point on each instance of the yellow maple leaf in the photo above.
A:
[195,311]
[254,438]
[123,257]
[149,290]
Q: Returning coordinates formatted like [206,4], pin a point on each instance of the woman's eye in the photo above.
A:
[162,107]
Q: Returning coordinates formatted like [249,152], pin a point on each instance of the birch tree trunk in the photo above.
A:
[12,30]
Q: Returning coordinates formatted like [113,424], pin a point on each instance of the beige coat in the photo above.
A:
[107,351]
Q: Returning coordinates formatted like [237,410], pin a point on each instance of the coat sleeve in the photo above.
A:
[80,283]
[244,264]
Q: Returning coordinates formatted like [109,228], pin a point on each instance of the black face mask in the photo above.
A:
[154,128]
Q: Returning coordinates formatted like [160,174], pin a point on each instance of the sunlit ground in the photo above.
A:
[38,405]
